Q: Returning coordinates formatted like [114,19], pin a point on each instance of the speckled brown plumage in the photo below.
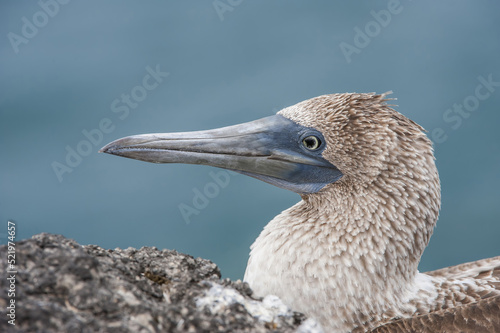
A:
[482,316]
[354,246]
[469,309]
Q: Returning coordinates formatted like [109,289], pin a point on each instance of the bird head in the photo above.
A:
[305,148]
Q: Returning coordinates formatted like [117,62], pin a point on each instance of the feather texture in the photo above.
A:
[348,254]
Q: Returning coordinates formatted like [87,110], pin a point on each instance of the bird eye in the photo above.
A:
[311,142]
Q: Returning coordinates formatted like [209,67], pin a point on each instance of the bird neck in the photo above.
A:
[376,233]
[355,247]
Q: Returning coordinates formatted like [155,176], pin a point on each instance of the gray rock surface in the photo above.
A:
[62,286]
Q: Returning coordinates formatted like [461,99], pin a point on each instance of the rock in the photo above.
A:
[62,286]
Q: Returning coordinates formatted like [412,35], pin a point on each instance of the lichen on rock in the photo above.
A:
[62,286]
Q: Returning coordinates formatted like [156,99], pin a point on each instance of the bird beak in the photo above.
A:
[269,149]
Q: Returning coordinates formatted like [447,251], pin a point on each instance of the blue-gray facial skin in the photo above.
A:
[273,149]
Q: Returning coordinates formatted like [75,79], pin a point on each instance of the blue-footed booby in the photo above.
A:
[347,253]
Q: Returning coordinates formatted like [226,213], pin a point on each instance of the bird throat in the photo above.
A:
[346,256]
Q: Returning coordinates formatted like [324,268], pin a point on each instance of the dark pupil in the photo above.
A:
[312,142]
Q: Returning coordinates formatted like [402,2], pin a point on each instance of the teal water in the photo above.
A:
[66,71]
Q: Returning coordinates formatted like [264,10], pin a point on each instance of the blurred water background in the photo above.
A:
[67,68]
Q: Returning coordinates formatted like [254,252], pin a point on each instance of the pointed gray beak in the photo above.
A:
[270,149]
